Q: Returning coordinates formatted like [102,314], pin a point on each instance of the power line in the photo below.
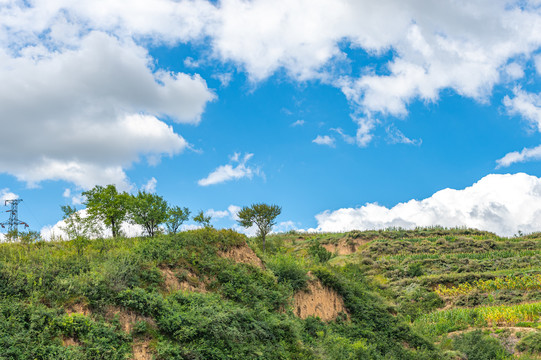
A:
[13,222]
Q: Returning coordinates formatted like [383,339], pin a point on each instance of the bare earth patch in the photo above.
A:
[243,254]
[78,308]
[141,350]
[319,301]
[70,342]
[173,283]
[126,318]
[344,246]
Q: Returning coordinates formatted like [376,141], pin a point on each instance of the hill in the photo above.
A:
[471,293]
[213,294]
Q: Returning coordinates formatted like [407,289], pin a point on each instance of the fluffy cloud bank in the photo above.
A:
[419,48]
[423,47]
[81,104]
[503,204]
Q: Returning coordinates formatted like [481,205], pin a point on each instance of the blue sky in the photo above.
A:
[349,114]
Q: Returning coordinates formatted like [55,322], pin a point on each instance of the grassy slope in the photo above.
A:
[56,304]
[485,282]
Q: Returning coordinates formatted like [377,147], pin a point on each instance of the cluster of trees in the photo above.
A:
[106,206]
[109,207]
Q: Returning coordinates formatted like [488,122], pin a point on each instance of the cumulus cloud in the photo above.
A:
[5,194]
[150,186]
[230,172]
[434,46]
[96,98]
[324,140]
[83,66]
[86,122]
[297,123]
[503,204]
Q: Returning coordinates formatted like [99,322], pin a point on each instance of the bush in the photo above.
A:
[288,271]
[415,269]
[531,343]
[477,346]
[319,253]
[417,301]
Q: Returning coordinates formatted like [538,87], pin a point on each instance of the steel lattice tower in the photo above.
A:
[13,222]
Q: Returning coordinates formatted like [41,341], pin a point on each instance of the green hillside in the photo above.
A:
[213,294]
[472,294]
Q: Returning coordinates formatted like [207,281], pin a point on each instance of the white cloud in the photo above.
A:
[150,186]
[324,140]
[537,63]
[514,71]
[285,226]
[525,104]
[57,56]
[298,123]
[516,157]
[76,199]
[395,136]
[224,78]
[5,194]
[233,211]
[457,45]
[229,172]
[93,111]
[503,204]
[217,214]
[347,138]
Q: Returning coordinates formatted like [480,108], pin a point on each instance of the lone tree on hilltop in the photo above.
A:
[262,215]
[202,219]
[176,217]
[107,205]
[148,210]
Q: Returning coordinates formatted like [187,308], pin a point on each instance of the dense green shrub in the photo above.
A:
[319,253]
[477,346]
[417,301]
[531,343]
[288,271]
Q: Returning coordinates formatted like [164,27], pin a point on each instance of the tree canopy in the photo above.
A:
[108,205]
[148,210]
[262,215]
[176,217]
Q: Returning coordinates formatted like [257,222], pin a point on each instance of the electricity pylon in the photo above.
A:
[13,222]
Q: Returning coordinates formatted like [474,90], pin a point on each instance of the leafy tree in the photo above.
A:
[107,205]
[203,220]
[148,210]
[78,228]
[262,215]
[176,217]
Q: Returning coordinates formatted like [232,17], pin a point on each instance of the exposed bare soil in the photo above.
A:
[243,254]
[126,318]
[141,351]
[344,246]
[173,283]
[319,301]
